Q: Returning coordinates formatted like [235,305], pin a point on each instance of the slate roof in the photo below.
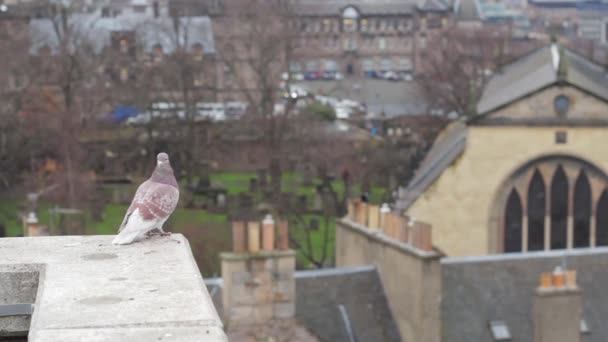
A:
[479,289]
[319,295]
[448,146]
[539,69]
[365,7]
[467,10]
[94,30]
[535,71]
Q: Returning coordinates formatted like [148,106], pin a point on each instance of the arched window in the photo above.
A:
[536,213]
[559,209]
[350,17]
[582,211]
[601,220]
[513,220]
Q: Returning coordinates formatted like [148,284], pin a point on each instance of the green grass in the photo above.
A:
[317,238]
[209,233]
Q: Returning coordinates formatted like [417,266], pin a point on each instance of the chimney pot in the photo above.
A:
[238,237]
[546,280]
[268,234]
[283,235]
[253,234]
[558,277]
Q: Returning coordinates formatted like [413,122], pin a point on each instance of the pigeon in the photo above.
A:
[153,203]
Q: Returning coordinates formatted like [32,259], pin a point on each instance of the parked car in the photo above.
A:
[391,76]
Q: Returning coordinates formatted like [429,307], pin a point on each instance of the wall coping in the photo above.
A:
[377,236]
[260,255]
[92,290]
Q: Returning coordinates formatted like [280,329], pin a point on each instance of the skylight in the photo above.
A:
[500,331]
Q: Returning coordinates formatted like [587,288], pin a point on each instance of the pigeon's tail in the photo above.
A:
[125,238]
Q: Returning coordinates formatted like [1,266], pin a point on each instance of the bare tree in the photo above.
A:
[62,96]
[458,64]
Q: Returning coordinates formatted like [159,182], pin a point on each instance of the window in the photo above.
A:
[124,46]
[601,220]
[536,213]
[139,9]
[364,25]
[350,44]
[327,25]
[382,43]
[584,327]
[311,66]
[386,65]
[349,25]
[124,75]
[105,12]
[17,80]
[559,210]
[295,67]
[390,132]
[158,53]
[405,64]
[197,79]
[350,16]
[500,331]
[197,52]
[383,25]
[561,105]
[330,65]
[582,211]
[368,65]
[422,42]
[561,137]
[513,223]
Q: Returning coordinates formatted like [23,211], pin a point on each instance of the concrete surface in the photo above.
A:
[91,290]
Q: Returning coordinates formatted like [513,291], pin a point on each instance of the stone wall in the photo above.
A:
[459,204]
[410,276]
[258,287]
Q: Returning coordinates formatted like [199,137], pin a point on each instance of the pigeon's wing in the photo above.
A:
[140,193]
[134,228]
[155,201]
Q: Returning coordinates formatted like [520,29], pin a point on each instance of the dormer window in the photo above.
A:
[350,17]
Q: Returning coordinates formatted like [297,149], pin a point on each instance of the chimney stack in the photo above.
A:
[258,283]
[557,307]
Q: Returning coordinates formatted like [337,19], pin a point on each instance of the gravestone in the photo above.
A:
[302,203]
[307,176]
[262,177]
[317,201]
[314,224]
[253,185]
[220,200]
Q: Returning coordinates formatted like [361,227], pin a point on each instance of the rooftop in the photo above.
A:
[91,290]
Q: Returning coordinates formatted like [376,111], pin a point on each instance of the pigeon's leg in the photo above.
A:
[162,232]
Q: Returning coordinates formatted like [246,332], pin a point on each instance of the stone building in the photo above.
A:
[363,37]
[528,172]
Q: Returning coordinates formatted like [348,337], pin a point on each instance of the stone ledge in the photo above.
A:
[377,236]
[260,255]
[91,290]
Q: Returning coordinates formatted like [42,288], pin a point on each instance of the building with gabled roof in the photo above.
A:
[527,172]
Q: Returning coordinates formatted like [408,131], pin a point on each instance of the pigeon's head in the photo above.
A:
[162,158]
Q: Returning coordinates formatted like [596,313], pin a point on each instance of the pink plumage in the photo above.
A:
[154,201]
